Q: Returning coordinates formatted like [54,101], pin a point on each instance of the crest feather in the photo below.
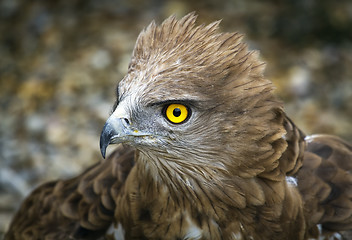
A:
[159,47]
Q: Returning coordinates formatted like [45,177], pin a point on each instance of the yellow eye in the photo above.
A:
[176,113]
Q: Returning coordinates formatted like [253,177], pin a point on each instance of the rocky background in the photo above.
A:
[61,60]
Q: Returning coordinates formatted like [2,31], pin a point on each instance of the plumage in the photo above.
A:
[235,167]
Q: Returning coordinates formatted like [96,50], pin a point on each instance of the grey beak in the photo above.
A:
[114,131]
[118,130]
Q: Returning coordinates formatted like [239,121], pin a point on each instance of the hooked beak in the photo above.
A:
[116,130]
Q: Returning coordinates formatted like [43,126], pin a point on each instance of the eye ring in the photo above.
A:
[176,113]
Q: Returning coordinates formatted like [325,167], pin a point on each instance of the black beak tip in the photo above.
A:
[104,140]
[104,143]
[111,128]
[103,151]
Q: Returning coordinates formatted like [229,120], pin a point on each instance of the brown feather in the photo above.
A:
[325,182]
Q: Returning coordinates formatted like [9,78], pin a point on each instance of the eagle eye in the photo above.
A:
[176,113]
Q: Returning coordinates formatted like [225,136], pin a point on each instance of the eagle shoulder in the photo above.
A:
[78,208]
[325,183]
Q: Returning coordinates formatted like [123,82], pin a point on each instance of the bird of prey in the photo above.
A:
[205,151]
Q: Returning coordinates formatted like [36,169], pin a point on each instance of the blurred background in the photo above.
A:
[61,60]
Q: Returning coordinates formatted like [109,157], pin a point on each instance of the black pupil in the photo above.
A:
[177,112]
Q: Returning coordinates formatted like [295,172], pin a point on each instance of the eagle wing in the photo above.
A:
[325,183]
[78,208]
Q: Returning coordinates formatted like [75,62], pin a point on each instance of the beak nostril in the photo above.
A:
[126,121]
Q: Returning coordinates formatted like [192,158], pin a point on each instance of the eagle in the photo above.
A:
[205,151]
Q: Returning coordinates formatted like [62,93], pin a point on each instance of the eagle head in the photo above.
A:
[196,99]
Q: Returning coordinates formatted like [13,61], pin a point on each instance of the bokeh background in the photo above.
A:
[61,60]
